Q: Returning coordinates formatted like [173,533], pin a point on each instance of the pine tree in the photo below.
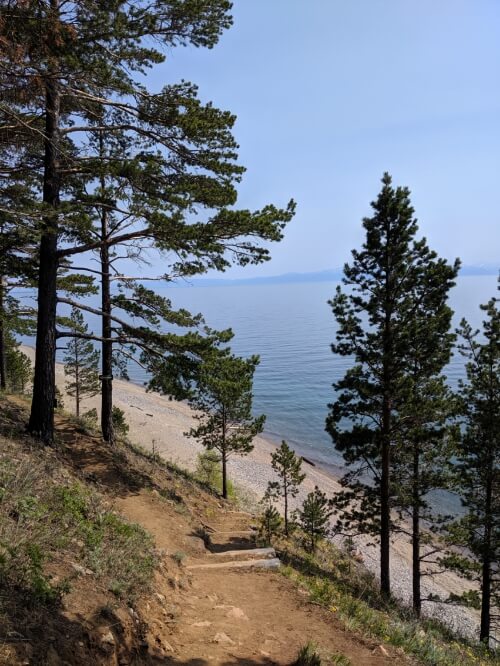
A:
[426,439]
[389,280]
[223,395]
[81,362]
[18,370]
[270,519]
[422,461]
[17,267]
[478,466]
[287,466]
[177,156]
[314,517]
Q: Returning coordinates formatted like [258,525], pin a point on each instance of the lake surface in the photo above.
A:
[291,327]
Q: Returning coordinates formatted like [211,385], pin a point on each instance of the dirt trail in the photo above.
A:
[243,616]
[218,617]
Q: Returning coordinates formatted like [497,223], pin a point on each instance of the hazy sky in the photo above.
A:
[331,93]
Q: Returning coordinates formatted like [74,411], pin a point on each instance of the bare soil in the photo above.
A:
[218,617]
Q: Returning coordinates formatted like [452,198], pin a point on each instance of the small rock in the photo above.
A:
[380,649]
[160,649]
[236,613]
[204,623]
[196,543]
[81,570]
[223,639]
[107,642]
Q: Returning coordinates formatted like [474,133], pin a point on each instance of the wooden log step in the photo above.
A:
[238,564]
[252,552]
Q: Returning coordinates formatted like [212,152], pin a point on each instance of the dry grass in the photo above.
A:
[47,517]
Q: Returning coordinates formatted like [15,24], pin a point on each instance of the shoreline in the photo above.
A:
[155,421]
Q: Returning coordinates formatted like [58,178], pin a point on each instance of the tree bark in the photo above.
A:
[285,493]
[41,423]
[385,579]
[385,510]
[3,369]
[77,382]
[107,429]
[107,346]
[417,597]
[224,475]
[484,634]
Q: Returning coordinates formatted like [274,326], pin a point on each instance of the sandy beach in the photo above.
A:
[155,420]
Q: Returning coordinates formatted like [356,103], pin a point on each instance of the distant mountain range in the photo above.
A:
[332,275]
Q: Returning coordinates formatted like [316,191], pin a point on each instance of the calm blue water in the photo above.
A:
[291,327]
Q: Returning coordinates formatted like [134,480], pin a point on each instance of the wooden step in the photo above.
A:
[273,563]
[252,552]
[235,533]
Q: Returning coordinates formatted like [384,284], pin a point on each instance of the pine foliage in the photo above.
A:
[314,518]
[81,362]
[394,283]
[287,466]
[477,534]
[223,396]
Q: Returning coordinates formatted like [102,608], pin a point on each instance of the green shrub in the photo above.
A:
[89,420]
[208,472]
[270,523]
[17,365]
[308,656]
[120,425]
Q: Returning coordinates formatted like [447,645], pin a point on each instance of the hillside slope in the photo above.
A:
[92,588]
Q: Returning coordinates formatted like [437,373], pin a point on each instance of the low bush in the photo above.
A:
[208,472]
[120,425]
[308,656]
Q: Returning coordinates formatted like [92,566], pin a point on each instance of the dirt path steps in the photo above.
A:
[236,611]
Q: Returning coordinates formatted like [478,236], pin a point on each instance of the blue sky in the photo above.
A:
[329,94]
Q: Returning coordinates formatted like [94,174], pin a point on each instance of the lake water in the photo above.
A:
[291,327]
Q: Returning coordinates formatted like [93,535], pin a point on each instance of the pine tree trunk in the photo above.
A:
[224,475]
[417,598]
[41,421]
[385,580]
[107,429]
[285,492]
[3,369]
[385,515]
[486,562]
[485,600]
[77,382]
[224,454]
[107,352]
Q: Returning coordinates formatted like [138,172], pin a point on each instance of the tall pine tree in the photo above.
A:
[387,283]
[424,444]
[477,534]
[58,84]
